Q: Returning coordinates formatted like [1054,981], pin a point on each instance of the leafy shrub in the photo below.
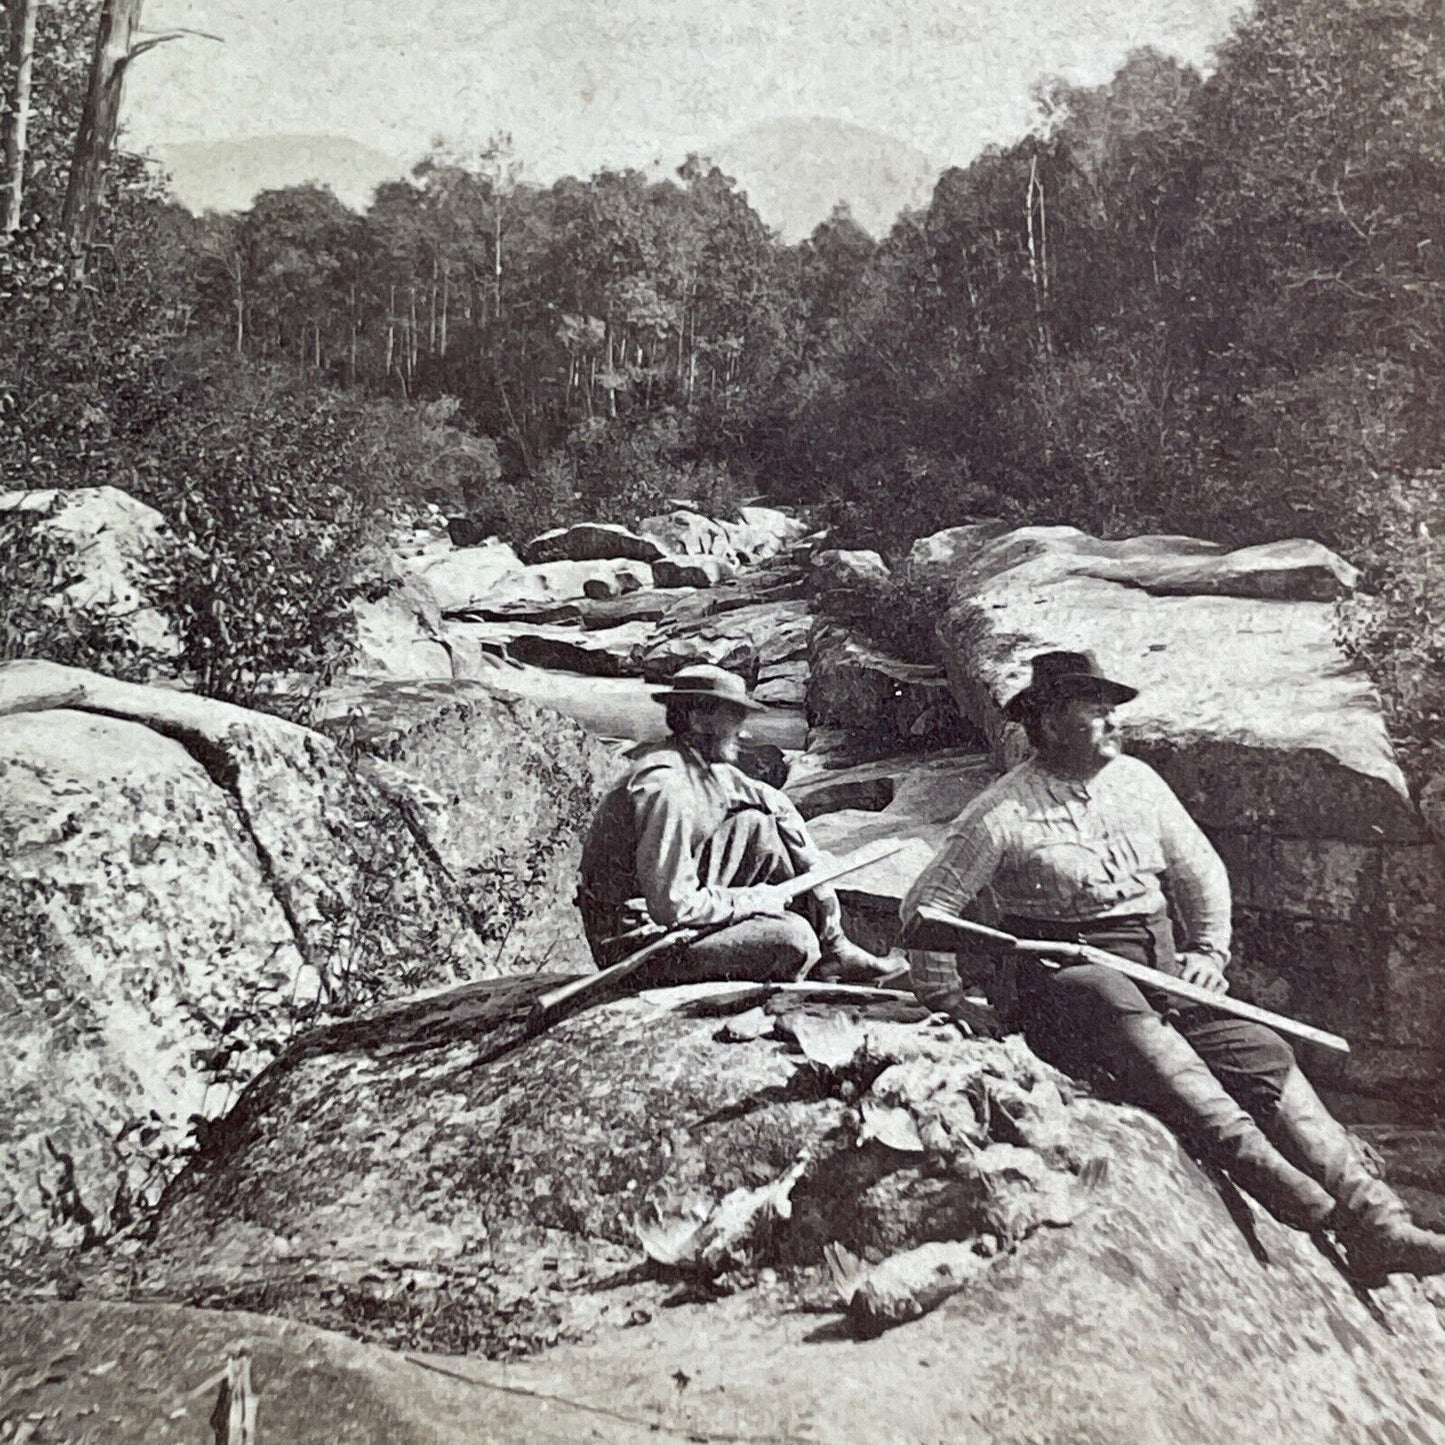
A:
[38,620]
[898,613]
[1396,628]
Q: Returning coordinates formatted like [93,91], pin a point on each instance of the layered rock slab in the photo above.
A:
[185,882]
[1273,740]
[114,1372]
[439,1175]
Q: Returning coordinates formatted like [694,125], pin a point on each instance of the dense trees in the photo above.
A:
[1202,304]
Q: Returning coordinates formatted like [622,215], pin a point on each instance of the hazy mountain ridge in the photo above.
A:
[226,175]
[794,171]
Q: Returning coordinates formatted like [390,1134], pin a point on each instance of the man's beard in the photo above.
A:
[717,750]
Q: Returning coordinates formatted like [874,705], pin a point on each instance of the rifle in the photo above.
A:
[1054,955]
[549,1003]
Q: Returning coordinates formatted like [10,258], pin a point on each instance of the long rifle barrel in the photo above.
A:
[1046,952]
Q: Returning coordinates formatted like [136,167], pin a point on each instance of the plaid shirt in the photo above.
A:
[1062,850]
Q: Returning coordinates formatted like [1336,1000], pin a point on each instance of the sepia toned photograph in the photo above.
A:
[722,723]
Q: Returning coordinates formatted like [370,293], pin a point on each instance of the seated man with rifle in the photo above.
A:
[1076,846]
[704,869]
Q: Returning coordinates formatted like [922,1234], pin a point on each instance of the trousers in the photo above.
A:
[750,847]
[1077,1017]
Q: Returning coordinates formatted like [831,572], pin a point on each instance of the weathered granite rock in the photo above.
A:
[855,686]
[503,791]
[105,540]
[910,800]
[607,612]
[953,547]
[760,533]
[459,579]
[590,542]
[433,1176]
[534,591]
[691,571]
[401,633]
[753,588]
[742,640]
[1275,743]
[182,880]
[782,684]
[608,652]
[833,570]
[121,1373]
[684,533]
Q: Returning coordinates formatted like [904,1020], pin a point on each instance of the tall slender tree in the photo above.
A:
[20,18]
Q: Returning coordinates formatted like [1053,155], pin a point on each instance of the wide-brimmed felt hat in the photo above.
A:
[1058,676]
[705,683]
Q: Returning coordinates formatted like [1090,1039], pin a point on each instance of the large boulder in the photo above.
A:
[102,544]
[400,632]
[155,1373]
[1275,742]
[953,547]
[459,578]
[502,791]
[762,532]
[183,883]
[591,542]
[444,1175]
[684,533]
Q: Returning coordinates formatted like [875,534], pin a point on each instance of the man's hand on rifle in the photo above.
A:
[1203,970]
[769,899]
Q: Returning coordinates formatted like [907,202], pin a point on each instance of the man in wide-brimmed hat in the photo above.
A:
[689,840]
[1078,844]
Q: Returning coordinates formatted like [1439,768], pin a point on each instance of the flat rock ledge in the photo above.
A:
[743,1180]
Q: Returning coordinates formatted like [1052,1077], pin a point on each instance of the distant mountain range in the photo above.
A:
[226,175]
[794,171]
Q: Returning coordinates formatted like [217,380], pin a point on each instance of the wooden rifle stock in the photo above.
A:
[939,925]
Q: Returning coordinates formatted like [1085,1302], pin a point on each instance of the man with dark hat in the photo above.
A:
[689,840]
[1078,844]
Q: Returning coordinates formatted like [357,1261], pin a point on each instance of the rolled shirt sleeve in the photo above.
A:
[1198,880]
[961,870]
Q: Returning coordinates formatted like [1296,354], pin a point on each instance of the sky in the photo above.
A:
[585,83]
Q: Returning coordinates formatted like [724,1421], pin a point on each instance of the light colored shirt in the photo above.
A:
[641,860]
[1064,850]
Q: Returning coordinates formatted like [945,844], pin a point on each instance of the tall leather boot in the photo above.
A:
[1370,1220]
[1163,1063]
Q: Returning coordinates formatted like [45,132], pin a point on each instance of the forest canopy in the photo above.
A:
[1206,304]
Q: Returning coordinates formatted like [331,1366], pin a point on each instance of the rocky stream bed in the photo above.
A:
[719,1213]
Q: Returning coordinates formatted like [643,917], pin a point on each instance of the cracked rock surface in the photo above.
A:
[184,883]
[735,1184]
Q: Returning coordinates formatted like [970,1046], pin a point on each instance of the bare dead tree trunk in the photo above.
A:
[238,275]
[446,297]
[20,57]
[497,258]
[390,328]
[99,120]
[1034,203]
